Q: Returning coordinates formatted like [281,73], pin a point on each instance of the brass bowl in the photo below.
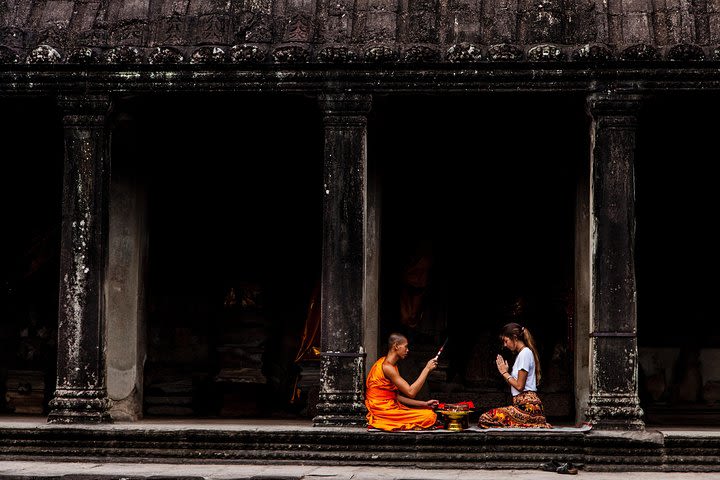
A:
[455,416]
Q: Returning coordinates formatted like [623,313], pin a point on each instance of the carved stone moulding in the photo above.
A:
[129,33]
[504,52]
[420,54]
[595,52]
[247,53]
[545,53]
[165,56]
[82,56]
[208,55]
[337,54]
[124,55]
[7,55]
[464,53]
[291,54]
[684,52]
[640,52]
[54,34]
[13,37]
[379,54]
[43,54]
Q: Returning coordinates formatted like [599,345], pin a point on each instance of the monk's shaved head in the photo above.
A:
[395,338]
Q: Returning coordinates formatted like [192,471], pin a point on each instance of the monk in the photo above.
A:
[390,400]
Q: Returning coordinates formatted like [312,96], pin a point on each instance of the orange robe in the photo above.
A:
[385,412]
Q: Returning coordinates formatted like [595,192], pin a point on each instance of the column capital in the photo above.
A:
[339,107]
[84,110]
[614,104]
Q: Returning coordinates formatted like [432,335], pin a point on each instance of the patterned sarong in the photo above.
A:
[525,412]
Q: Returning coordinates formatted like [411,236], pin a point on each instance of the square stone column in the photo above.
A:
[614,402]
[81,396]
[346,249]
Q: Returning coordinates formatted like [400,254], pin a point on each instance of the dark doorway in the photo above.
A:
[677,261]
[472,239]
[234,250]
[31,199]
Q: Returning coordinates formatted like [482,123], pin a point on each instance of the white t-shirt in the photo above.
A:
[525,361]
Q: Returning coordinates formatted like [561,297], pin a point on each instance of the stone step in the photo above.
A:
[526,449]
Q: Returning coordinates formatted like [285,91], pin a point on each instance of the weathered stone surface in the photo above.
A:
[544,53]
[336,55]
[81,394]
[593,52]
[614,402]
[635,28]
[342,368]
[464,52]
[597,450]
[685,53]
[247,54]
[504,52]
[165,55]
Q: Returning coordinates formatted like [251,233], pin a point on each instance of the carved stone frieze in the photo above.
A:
[423,27]
[593,52]
[43,54]
[170,31]
[464,53]
[247,54]
[290,54]
[165,55]
[420,54]
[208,55]
[96,37]
[641,52]
[211,30]
[133,32]
[340,54]
[55,34]
[13,37]
[686,52]
[544,53]
[253,27]
[7,55]
[82,56]
[504,52]
[122,56]
[379,54]
[298,28]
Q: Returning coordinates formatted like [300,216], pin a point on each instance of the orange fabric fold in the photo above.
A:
[385,412]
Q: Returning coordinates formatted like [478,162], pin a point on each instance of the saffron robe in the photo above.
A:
[385,412]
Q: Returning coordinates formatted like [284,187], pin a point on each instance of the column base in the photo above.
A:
[615,412]
[340,409]
[80,406]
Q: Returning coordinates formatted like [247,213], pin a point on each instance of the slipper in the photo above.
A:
[567,468]
[550,466]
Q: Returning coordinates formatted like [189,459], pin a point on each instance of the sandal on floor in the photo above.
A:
[567,468]
[550,466]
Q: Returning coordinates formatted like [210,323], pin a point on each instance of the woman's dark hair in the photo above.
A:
[515,331]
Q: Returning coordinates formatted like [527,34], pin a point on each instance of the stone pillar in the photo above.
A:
[581,328]
[345,251]
[614,402]
[125,279]
[81,396]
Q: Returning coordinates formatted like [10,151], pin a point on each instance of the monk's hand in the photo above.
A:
[502,364]
[432,403]
[432,364]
